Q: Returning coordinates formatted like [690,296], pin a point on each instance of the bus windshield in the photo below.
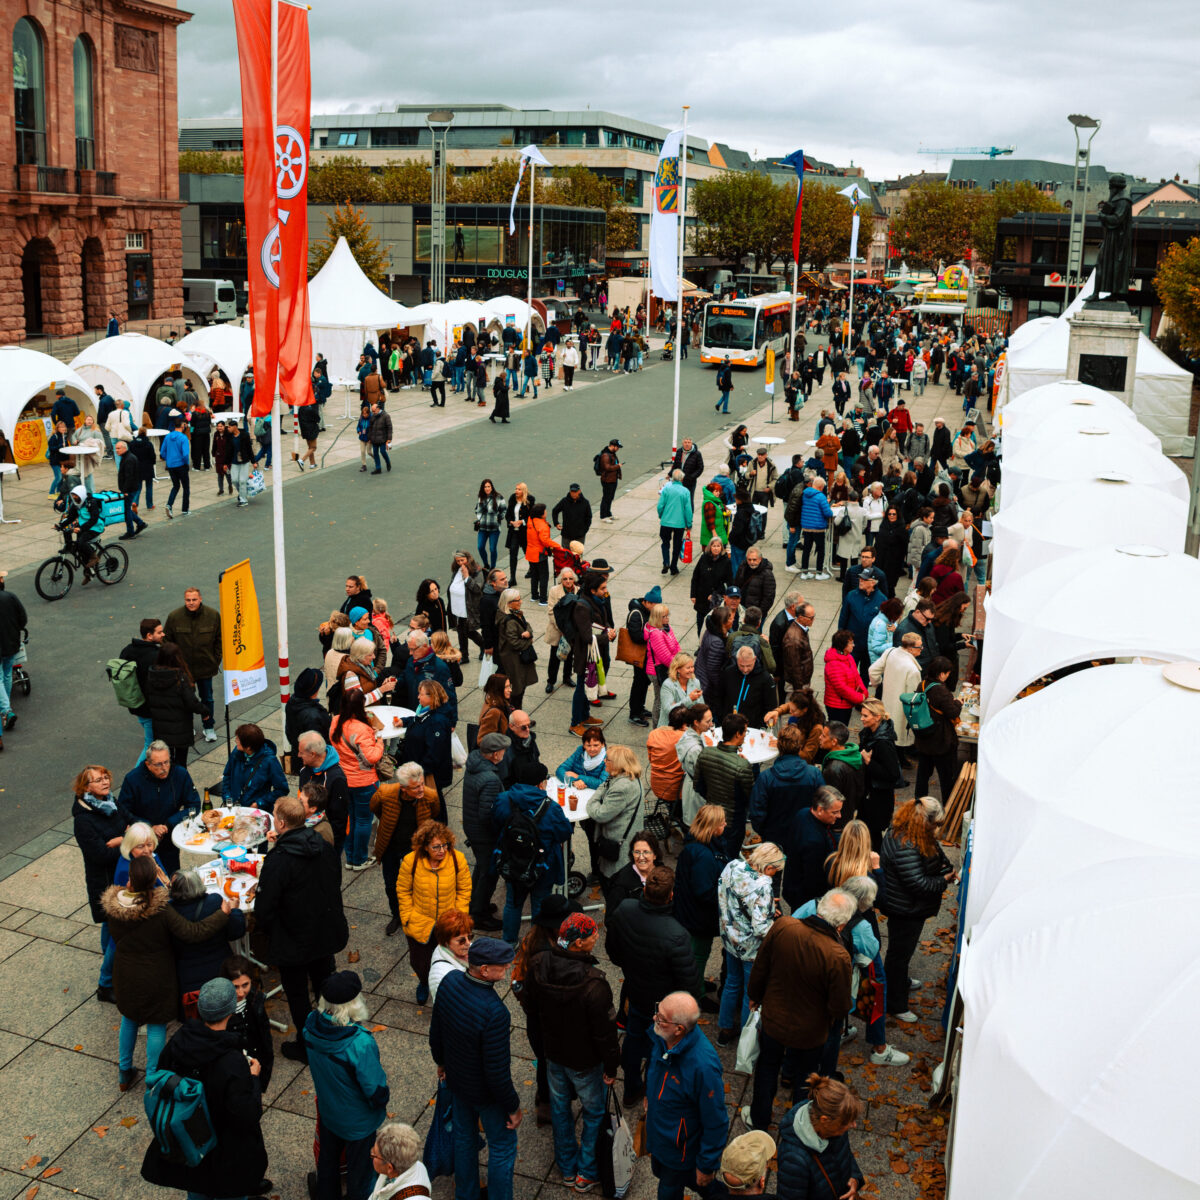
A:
[729,328]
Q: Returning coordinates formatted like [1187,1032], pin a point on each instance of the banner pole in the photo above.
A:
[679,292]
[281,617]
[529,296]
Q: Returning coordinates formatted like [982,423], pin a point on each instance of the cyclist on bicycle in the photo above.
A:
[85,519]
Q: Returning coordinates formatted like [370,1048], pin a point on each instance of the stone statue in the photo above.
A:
[1115,263]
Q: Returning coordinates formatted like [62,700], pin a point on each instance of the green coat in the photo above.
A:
[198,636]
[712,521]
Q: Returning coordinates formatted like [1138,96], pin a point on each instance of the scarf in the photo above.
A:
[590,764]
[423,710]
[104,804]
[850,755]
[803,1127]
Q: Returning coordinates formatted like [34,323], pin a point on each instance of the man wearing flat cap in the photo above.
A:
[469,1041]
[744,1166]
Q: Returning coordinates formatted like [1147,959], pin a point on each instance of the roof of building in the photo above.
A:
[983,171]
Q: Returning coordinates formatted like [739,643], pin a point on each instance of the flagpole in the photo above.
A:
[679,291]
[529,315]
[281,613]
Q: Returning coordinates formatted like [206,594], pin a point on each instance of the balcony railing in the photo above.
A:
[95,183]
[30,178]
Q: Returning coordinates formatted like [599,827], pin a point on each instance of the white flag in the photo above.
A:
[664,221]
[853,192]
[529,153]
[854,237]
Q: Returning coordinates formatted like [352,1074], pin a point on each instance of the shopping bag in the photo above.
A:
[439,1141]
[614,1150]
[687,548]
[639,1138]
[487,668]
[747,1051]
[458,752]
[255,484]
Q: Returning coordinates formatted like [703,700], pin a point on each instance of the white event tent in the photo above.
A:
[1062,395]
[1042,527]
[129,365]
[345,310]
[1030,436]
[1077,1060]
[1107,602]
[26,373]
[225,346]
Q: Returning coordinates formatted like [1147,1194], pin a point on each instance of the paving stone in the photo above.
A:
[53,929]
[93,1026]
[16,917]
[10,1046]
[12,941]
[41,983]
[42,844]
[52,884]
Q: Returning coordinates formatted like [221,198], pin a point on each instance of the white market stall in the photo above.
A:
[1063,395]
[226,346]
[1048,790]
[1029,332]
[443,323]
[24,376]
[345,311]
[1031,438]
[511,311]
[1077,1059]
[1042,527]
[129,367]
[1107,602]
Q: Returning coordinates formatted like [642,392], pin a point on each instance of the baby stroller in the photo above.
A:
[668,351]
[20,672]
[564,558]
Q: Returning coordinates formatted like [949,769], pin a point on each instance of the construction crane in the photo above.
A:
[990,151]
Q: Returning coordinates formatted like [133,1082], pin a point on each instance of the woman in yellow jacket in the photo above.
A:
[433,878]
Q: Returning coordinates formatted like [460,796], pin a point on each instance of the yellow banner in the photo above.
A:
[769,385]
[241,634]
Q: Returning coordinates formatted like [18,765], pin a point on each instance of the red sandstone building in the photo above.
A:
[89,179]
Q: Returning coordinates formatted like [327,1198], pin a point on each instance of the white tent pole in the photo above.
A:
[529,297]
[679,293]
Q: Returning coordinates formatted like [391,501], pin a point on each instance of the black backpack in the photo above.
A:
[521,855]
[563,616]
[596,466]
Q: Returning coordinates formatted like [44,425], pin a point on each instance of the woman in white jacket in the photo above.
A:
[898,671]
[120,423]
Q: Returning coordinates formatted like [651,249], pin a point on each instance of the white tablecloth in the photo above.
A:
[562,798]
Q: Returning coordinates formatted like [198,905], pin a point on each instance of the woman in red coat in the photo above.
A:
[844,688]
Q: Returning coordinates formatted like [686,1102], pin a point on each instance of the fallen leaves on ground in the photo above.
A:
[32,1161]
[100,1130]
[353,956]
[33,1191]
[50,1172]
[129,1122]
[378,1028]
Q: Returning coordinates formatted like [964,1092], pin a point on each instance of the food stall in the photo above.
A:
[30,380]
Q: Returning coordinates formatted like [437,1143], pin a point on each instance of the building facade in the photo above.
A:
[89,180]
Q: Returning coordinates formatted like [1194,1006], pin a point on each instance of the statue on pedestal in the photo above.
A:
[1115,263]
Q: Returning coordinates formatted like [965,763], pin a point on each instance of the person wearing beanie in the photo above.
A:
[352,1089]
[206,1050]
[569,997]
[469,1040]
[304,712]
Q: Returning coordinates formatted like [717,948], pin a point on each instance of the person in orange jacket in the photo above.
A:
[538,543]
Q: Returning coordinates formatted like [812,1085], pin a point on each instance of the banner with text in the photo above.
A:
[241,634]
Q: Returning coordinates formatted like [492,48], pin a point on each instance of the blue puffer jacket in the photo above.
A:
[799,1175]
[553,827]
[352,1089]
[574,762]
[815,512]
[782,790]
[469,1039]
[255,781]
[687,1124]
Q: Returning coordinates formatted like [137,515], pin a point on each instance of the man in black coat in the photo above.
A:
[207,1051]
[160,794]
[842,768]
[654,952]
[690,461]
[522,762]
[143,652]
[745,687]
[481,785]
[756,578]
[299,908]
[129,484]
[304,712]
[572,516]
[942,445]
[489,603]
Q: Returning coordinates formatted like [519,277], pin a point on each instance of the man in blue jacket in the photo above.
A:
[352,1089]
[469,1040]
[784,788]
[674,518]
[553,830]
[686,1122]
[160,794]
[177,455]
[860,607]
[808,516]
[810,839]
[423,664]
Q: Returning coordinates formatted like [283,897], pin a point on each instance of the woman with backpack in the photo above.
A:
[358,750]
[937,743]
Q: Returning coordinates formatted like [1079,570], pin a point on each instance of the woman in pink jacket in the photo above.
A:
[844,688]
[358,751]
[661,646]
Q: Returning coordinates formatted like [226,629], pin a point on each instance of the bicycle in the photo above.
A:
[56,575]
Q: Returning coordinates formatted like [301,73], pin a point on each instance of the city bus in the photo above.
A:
[743,329]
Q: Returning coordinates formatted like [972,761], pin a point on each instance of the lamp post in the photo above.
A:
[1078,210]
[438,123]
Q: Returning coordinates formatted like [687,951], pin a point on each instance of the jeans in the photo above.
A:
[979,570]
[575,1158]
[798,1064]
[239,476]
[514,904]
[812,539]
[510,379]
[426,376]
[264,451]
[529,379]
[378,448]
[156,1036]
[735,1000]
[502,1149]
[904,934]
[458,378]
[607,492]
[486,542]
[57,476]
[360,823]
[6,672]
[133,523]
[360,1172]
[205,690]
[148,732]
[109,948]
[635,1050]
[723,404]
[736,558]
[672,546]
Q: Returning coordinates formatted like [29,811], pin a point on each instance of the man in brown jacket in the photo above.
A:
[610,473]
[801,979]
[796,666]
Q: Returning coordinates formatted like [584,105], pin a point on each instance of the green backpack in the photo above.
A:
[916,709]
[122,674]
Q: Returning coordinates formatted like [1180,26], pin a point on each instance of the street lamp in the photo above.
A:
[438,122]
[1078,211]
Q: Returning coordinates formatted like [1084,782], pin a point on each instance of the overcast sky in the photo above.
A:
[871,85]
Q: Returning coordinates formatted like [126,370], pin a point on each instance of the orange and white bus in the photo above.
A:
[743,329]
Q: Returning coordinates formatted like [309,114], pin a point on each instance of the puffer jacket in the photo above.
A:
[569,999]
[653,950]
[843,684]
[697,874]
[424,892]
[915,881]
[784,788]
[757,585]
[746,903]
[400,816]
[805,1169]
[481,786]
[661,647]
[351,1087]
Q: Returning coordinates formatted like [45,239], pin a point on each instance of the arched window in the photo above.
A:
[29,92]
[85,128]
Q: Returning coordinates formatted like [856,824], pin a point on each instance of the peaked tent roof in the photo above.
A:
[340,296]
[26,373]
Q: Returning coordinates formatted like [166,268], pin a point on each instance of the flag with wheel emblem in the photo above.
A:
[276,176]
[664,220]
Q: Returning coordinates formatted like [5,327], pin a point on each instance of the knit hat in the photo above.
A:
[555,909]
[308,681]
[357,614]
[578,927]
[341,987]
[746,1158]
[217,1000]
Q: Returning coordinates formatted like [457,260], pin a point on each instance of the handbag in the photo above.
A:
[916,709]
[609,848]
[628,651]
[639,1138]
[845,522]
[528,655]
[748,1045]
[438,1156]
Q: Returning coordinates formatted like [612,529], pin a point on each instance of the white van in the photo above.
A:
[209,301]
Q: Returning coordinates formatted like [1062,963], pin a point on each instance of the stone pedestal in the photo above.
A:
[1103,348]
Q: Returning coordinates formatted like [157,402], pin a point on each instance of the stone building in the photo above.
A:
[89,181]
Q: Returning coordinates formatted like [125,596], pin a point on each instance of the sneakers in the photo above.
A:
[210,735]
[909,1018]
[850,1034]
[822,575]
[792,570]
[744,1113]
[170,514]
[806,574]
[889,1056]
[583,1184]
[639,721]
[913,984]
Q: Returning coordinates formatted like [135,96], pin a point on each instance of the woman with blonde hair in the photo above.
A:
[516,654]
[697,873]
[442,646]
[568,582]
[679,687]
[877,742]
[327,629]
[617,808]
[853,855]
[516,516]
[341,639]
[140,841]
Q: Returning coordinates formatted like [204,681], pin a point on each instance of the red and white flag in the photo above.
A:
[276,197]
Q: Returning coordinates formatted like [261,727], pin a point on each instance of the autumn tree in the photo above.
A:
[1009,198]
[935,223]
[209,162]
[342,179]
[734,212]
[827,224]
[349,222]
[405,182]
[1178,286]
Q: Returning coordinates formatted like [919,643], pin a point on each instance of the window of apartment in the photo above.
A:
[349,138]
[85,133]
[29,92]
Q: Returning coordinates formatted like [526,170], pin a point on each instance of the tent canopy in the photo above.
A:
[1042,527]
[1039,403]
[1027,442]
[225,346]
[129,367]
[1029,332]
[1077,1016]
[1107,602]
[26,373]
